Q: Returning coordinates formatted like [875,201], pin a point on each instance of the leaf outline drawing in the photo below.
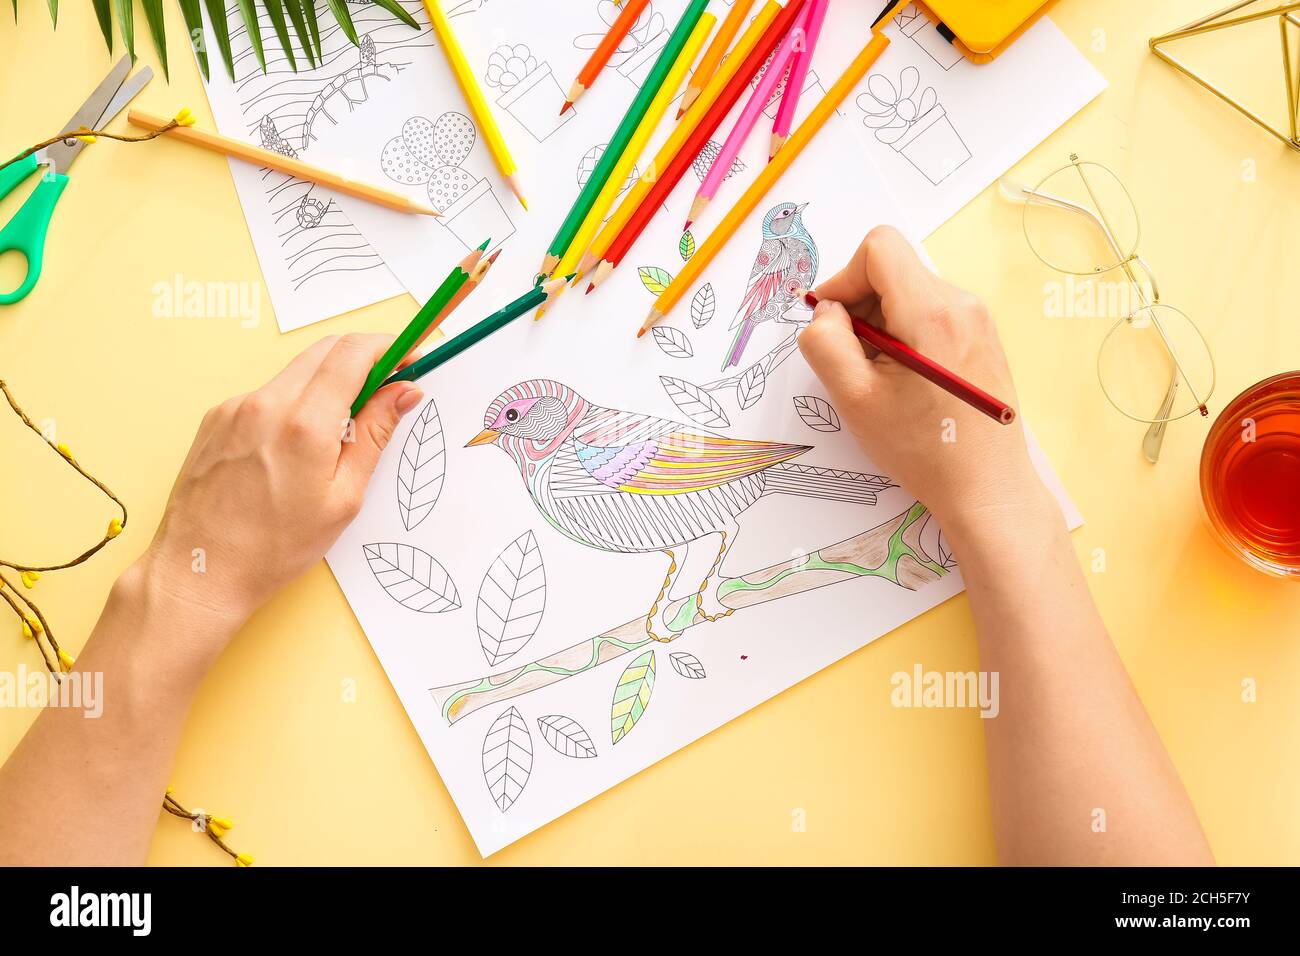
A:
[672,342]
[566,736]
[703,305]
[655,280]
[817,413]
[632,695]
[687,664]
[422,467]
[751,386]
[507,758]
[511,599]
[411,577]
[695,403]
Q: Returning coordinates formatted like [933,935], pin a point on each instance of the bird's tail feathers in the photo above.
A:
[828,484]
[738,343]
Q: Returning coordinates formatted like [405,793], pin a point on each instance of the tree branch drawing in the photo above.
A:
[893,551]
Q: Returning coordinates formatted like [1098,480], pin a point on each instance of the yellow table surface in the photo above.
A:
[311,779]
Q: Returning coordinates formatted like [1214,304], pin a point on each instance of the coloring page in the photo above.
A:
[586,550]
[315,261]
[939,128]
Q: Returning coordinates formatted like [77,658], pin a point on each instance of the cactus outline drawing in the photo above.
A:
[527,89]
[433,154]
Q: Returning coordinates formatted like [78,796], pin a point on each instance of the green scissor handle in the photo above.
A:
[25,232]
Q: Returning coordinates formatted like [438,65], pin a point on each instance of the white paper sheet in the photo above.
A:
[517,646]
[940,128]
[315,262]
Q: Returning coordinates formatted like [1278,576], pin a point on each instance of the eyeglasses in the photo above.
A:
[1154,365]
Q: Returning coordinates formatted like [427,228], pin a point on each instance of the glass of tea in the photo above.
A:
[1250,475]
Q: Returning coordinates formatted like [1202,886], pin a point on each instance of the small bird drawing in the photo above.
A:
[786,262]
[629,483]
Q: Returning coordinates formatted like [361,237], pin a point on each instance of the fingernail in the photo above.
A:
[822,307]
[408,399]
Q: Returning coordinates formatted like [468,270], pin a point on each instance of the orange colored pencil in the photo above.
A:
[713,55]
[604,50]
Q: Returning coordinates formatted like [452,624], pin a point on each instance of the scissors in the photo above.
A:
[25,232]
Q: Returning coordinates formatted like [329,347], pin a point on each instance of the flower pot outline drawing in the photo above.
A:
[432,154]
[528,89]
[912,121]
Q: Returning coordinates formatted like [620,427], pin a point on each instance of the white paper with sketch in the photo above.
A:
[315,262]
[940,128]
[644,538]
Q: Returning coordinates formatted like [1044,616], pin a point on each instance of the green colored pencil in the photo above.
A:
[410,336]
[480,330]
[618,142]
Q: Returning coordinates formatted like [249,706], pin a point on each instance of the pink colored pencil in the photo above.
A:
[748,119]
[813,19]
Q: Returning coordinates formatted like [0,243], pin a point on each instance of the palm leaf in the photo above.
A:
[392,7]
[54,11]
[217,14]
[105,17]
[193,27]
[275,10]
[309,9]
[254,31]
[341,14]
[153,15]
[300,28]
[126,24]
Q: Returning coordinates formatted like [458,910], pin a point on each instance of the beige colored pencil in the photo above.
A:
[217,143]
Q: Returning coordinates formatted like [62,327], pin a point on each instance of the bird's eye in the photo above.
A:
[512,414]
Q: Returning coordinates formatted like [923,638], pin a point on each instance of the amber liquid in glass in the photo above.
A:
[1250,475]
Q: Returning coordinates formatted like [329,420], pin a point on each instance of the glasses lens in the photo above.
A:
[1138,370]
[1081,220]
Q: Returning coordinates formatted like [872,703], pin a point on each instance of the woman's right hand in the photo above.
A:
[964,466]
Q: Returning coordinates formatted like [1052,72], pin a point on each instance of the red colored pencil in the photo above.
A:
[708,124]
[604,50]
[950,382]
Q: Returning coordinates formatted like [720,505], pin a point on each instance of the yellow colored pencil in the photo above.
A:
[478,105]
[764,181]
[635,146]
[714,54]
[216,143]
[672,146]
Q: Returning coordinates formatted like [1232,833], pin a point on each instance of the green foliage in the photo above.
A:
[301,13]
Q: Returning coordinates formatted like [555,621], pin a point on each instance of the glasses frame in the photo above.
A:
[1127,262]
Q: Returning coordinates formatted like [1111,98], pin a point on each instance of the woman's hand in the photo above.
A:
[954,459]
[273,478]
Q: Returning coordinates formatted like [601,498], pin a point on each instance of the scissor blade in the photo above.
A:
[119,93]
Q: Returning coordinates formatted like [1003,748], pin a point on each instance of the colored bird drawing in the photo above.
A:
[630,483]
[786,262]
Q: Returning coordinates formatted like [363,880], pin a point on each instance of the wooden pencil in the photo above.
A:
[708,64]
[765,179]
[215,142]
[814,17]
[635,146]
[418,327]
[474,98]
[678,136]
[604,50]
[618,141]
[746,122]
[478,331]
[905,355]
[477,274]
[668,178]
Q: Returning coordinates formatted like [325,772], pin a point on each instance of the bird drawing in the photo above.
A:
[630,483]
[786,262]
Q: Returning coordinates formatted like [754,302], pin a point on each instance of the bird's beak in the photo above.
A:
[801,208]
[486,437]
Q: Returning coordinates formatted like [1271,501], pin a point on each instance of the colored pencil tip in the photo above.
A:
[537,316]
[809,297]
[484,244]
[640,332]
[568,105]
[569,277]
[493,258]
[681,113]
[687,227]
[590,286]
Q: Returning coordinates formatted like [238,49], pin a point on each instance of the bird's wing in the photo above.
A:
[639,454]
[765,279]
